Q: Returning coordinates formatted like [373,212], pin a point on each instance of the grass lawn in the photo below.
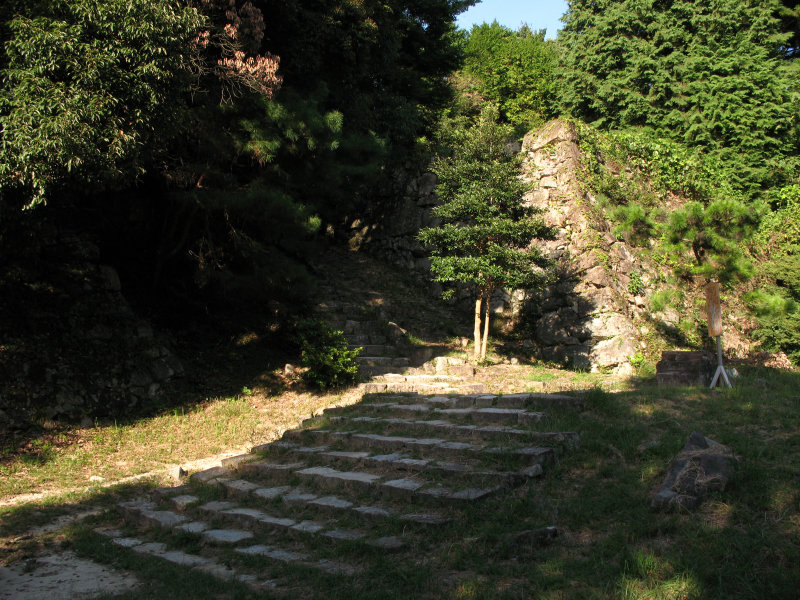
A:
[743,543]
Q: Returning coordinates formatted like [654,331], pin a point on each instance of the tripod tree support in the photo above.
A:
[714,310]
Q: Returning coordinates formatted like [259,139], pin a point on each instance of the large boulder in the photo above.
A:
[702,467]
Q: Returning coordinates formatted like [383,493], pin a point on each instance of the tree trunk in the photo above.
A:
[477,349]
[486,313]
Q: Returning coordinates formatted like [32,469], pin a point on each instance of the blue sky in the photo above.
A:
[538,14]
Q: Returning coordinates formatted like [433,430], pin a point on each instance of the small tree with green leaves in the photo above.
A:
[485,237]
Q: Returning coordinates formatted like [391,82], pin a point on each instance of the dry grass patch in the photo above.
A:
[63,459]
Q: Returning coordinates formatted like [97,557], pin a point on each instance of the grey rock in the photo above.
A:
[226,536]
[703,466]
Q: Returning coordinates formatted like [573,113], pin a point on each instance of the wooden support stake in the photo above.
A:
[720,368]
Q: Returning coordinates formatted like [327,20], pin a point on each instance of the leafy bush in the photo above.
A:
[636,285]
[326,355]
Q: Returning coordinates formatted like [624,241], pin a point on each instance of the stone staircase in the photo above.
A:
[389,362]
[396,473]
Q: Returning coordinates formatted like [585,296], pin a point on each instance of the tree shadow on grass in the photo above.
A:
[741,543]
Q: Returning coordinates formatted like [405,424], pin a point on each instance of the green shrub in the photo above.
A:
[662,299]
[636,285]
[777,311]
[326,355]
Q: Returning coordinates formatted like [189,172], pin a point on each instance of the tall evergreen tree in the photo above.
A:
[485,237]
[705,73]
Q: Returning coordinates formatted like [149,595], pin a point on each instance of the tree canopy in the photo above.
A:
[516,70]
[707,74]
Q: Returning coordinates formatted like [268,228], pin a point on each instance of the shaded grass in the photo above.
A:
[744,543]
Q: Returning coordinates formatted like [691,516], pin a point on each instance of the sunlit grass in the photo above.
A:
[116,451]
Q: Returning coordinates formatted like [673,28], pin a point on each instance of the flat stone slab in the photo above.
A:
[426,519]
[268,467]
[332,502]
[193,527]
[154,548]
[185,560]
[404,485]
[126,542]
[374,511]
[298,497]
[258,516]
[347,476]
[240,487]
[272,492]
[226,536]
[183,501]
[273,553]
[344,535]
[308,527]
[437,491]
[164,518]
[218,506]
[209,474]
[350,455]
[472,494]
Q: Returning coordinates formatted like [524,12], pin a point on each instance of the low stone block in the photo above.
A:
[344,535]
[184,501]
[703,466]
[226,536]
[272,492]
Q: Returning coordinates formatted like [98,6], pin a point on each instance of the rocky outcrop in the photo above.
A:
[586,318]
[394,238]
[81,351]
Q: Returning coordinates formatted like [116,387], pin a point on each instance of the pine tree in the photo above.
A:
[486,231]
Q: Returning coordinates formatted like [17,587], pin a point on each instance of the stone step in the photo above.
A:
[254,492]
[481,400]
[400,463]
[355,482]
[224,570]
[420,387]
[255,524]
[395,362]
[492,414]
[195,562]
[433,447]
[440,426]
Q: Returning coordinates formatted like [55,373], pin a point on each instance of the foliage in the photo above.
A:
[384,64]
[89,87]
[330,362]
[707,74]
[515,70]
[712,232]
[636,284]
[777,245]
[779,233]
[636,174]
[486,231]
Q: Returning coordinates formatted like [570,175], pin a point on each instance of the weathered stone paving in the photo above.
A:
[379,477]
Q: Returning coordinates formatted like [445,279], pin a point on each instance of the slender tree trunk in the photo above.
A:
[477,348]
[486,313]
